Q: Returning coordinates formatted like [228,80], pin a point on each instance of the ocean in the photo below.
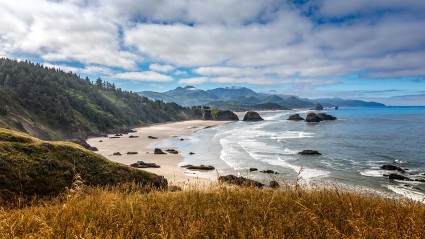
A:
[354,147]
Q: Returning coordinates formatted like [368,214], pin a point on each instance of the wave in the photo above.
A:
[406,192]
[305,173]
[292,135]
[377,173]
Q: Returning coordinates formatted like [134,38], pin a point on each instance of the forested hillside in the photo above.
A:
[51,104]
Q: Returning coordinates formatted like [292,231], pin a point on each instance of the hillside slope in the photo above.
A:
[29,166]
[51,104]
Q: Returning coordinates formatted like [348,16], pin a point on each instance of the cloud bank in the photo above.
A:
[221,41]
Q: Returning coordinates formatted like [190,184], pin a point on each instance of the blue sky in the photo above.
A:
[353,49]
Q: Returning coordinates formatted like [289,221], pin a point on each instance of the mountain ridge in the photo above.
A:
[237,98]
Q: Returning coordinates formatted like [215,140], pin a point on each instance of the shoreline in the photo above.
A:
[144,146]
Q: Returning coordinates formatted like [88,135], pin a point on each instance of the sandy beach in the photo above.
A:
[144,146]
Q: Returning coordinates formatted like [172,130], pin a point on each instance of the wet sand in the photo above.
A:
[144,146]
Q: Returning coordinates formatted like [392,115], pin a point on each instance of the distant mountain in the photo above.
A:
[242,98]
[332,102]
[290,102]
[240,106]
[152,95]
[232,93]
[188,96]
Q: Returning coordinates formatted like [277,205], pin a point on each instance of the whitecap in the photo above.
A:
[292,135]
[409,193]
[372,173]
[306,173]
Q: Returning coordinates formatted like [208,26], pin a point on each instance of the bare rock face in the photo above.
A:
[141,164]
[309,152]
[240,181]
[252,116]
[318,106]
[158,151]
[295,117]
[225,115]
[324,116]
[201,167]
[399,177]
[171,151]
[312,118]
[392,168]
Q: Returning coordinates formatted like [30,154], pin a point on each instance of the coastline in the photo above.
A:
[144,146]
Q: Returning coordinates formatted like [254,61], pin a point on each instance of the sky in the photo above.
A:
[352,49]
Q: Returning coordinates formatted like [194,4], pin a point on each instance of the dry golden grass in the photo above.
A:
[219,212]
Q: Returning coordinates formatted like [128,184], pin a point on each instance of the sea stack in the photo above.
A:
[318,106]
[312,117]
[295,117]
[252,116]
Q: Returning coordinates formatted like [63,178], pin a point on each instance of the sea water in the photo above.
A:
[354,147]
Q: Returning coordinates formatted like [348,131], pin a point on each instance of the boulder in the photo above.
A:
[117,154]
[118,135]
[114,137]
[133,136]
[252,116]
[274,184]
[318,106]
[240,181]
[309,152]
[324,116]
[158,151]
[132,153]
[420,180]
[253,169]
[295,117]
[132,131]
[399,177]
[392,168]
[152,137]
[172,151]
[100,141]
[186,166]
[312,117]
[201,167]
[181,139]
[191,153]
[141,164]
[269,171]
[94,149]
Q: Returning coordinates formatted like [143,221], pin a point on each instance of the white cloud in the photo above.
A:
[143,76]
[62,31]
[224,41]
[161,68]
[97,70]
[227,71]
[62,67]
[256,81]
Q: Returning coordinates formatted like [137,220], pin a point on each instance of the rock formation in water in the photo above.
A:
[252,116]
[295,117]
